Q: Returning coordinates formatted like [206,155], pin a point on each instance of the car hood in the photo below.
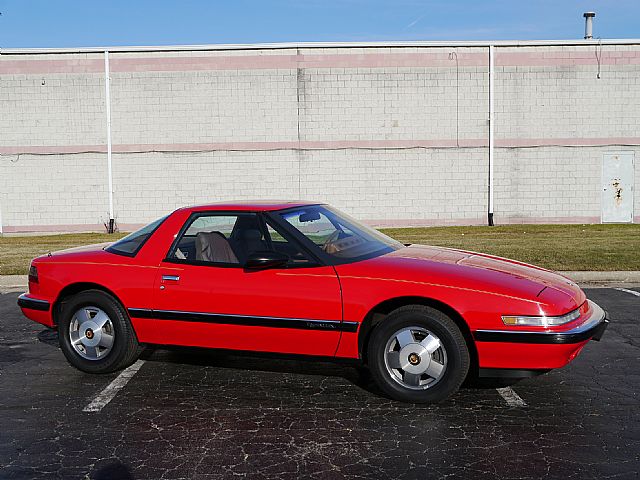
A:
[462,268]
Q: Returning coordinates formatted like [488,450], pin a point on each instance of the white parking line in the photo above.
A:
[511,397]
[106,395]
[632,292]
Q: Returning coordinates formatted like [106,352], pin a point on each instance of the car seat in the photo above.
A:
[249,241]
[214,247]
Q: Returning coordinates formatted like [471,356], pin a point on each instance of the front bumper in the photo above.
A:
[538,350]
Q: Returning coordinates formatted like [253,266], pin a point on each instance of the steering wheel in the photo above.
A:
[332,238]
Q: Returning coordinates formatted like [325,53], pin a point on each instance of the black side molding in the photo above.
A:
[272,322]
[32,304]
[351,362]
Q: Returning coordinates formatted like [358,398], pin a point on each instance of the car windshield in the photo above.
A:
[133,242]
[338,235]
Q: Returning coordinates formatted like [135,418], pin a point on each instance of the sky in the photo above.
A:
[88,23]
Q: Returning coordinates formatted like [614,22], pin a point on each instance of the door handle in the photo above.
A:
[170,278]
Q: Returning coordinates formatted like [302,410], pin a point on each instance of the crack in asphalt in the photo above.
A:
[194,414]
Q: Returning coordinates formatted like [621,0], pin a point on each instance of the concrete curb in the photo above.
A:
[15,282]
[617,277]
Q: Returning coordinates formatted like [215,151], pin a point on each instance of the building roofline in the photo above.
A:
[312,45]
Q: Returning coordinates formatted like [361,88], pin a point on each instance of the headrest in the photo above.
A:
[213,234]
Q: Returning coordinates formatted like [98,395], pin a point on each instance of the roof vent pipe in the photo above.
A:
[588,25]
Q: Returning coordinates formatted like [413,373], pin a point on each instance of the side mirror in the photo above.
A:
[266,259]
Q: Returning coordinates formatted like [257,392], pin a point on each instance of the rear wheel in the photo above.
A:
[95,333]
[418,355]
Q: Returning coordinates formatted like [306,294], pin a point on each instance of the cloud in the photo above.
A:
[414,22]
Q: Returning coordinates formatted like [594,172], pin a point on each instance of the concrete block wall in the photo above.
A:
[54,192]
[563,94]
[393,135]
[41,108]
[422,185]
[176,179]
[159,108]
[400,187]
[558,110]
[552,184]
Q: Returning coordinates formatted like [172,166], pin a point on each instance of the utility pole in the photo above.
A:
[107,96]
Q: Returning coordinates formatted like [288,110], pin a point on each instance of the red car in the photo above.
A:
[303,278]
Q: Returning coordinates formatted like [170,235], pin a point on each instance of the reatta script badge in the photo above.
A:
[320,325]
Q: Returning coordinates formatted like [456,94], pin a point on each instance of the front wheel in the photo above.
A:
[418,354]
[95,333]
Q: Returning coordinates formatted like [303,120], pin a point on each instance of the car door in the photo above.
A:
[204,297]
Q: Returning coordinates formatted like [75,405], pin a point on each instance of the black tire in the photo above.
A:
[125,348]
[451,341]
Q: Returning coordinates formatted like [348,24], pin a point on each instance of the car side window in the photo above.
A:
[216,223]
[219,239]
[228,240]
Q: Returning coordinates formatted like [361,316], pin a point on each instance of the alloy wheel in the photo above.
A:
[91,333]
[415,358]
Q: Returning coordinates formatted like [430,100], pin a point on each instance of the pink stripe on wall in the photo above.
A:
[51,149]
[402,223]
[434,58]
[71,228]
[60,228]
[542,220]
[244,62]
[50,66]
[315,145]
[292,62]
[240,146]
[571,58]
[566,142]
[241,62]
[422,222]
[438,58]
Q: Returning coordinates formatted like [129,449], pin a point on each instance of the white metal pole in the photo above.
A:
[1,219]
[107,96]
[491,139]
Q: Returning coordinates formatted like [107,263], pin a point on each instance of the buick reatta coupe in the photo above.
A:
[305,279]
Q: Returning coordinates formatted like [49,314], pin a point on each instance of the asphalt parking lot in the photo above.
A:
[195,414]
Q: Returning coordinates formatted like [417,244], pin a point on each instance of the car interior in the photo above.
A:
[231,239]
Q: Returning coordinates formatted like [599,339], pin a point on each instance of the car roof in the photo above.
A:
[251,205]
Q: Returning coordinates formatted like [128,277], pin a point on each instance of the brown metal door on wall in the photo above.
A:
[617,187]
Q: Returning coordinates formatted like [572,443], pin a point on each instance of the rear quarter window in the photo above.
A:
[132,243]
